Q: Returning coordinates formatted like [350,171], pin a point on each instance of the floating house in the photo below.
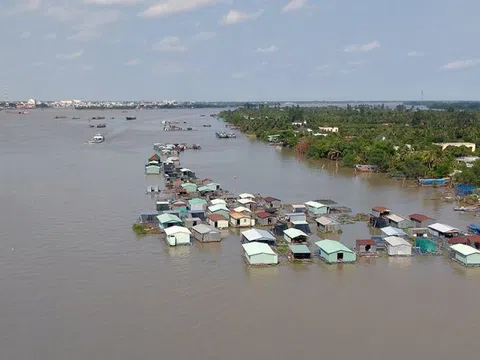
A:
[166,220]
[242,209]
[241,220]
[301,225]
[393,231]
[187,174]
[397,246]
[258,235]
[426,246]
[465,255]
[379,211]
[334,252]
[219,209]
[218,202]
[299,208]
[217,221]
[472,240]
[155,158]
[190,222]
[259,254]
[418,232]
[300,216]
[264,218]
[443,231]
[153,168]
[214,185]
[272,203]
[299,252]
[315,208]
[279,228]
[180,206]
[246,196]
[162,206]
[292,235]
[148,218]
[205,233]
[420,220]
[326,224]
[398,221]
[366,247]
[206,189]
[377,218]
[189,187]
[246,202]
[197,204]
[177,235]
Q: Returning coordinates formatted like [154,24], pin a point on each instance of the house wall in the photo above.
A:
[263,222]
[332,258]
[260,259]
[373,249]
[274,205]
[473,259]
[197,207]
[208,237]
[319,211]
[244,222]
[400,250]
[221,224]
[225,213]
[297,217]
[149,170]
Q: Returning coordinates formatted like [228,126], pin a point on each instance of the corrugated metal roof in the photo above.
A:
[216,217]
[419,217]
[442,228]
[218,201]
[188,185]
[395,218]
[255,248]
[315,204]
[299,249]
[324,220]
[258,234]
[365,242]
[270,199]
[166,218]
[465,250]
[177,230]
[299,222]
[332,246]
[246,196]
[196,201]
[237,215]
[380,209]
[293,233]
[204,229]
[242,209]
[244,201]
[396,241]
[391,231]
[214,208]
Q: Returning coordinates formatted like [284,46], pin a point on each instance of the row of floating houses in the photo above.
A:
[202,210]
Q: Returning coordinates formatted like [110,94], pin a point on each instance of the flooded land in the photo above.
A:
[77,283]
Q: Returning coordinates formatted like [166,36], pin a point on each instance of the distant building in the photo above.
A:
[328,129]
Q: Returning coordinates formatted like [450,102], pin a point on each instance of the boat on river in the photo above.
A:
[97,139]
[365,168]
[131,118]
[101,125]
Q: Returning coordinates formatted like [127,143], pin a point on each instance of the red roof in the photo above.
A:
[365,242]
[419,217]
[216,217]
[263,214]
[466,239]
[380,209]
[270,199]
[154,157]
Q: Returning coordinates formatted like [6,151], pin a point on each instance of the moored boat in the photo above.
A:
[97,139]
[131,118]
[101,125]
[444,182]
[365,168]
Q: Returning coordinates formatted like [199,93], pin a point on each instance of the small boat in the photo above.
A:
[60,117]
[91,125]
[466,208]
[101,125]
[203,115]
[221,135]
[98,118]
[231,136]
[196,147]
[444,182]
[131,118]
[97,139]
[365,168]
[75,118]
[205,125]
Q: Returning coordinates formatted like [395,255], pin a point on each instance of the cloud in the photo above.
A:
[70,56]
[240,75]
[170,7]
[204,36]
[50,36]
[362,47]
[268,50]
[295,5]
[25,35]
[235,16]
[461,64]
[170,44]
[133,62]
[415,54]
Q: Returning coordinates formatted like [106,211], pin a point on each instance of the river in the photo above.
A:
[76,283]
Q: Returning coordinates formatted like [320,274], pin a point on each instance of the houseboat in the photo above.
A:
[444,182]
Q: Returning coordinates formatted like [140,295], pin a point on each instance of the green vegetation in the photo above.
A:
[144,229]
[398,141]
[447,105]
[282,248]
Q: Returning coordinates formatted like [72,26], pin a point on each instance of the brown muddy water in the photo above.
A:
[76,283]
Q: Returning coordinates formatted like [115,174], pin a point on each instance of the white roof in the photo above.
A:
[245,201]
[396,241]
[464,249]
[255,248]
[217,207]
[391,231]
[315,204]
[204,229]
[218,201]
[395,218]
[299,222]
[185,170]
[298,206]
[257,234]
[442,228]
[293,233]
[242,209]
[246,196]
[324,220]
[177,230]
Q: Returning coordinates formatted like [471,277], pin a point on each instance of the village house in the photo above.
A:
[299,252]
[241,220]
[246,196]
[217,221]
[377,218]
[179,206]
[315,208]
[214,185]
[259,254]
[472,240]
[219,209]
[299,208]
[189,187]
[246,202]
[443,231]
[333,252]
[190,222]
[177,235]
[328,129]
[418,232]
[420,220]
[366,247]
[272,203]
[197,204]
[397,246]
[300,216]
[162,206]
[264,218]
[187,174]
[205,233]
[393,231]
[326,224]
[465,254]
[166,220]
[218,202]
[301,225]
[243,209]
[205,190]
[296,236]
[398,221]
[258,235]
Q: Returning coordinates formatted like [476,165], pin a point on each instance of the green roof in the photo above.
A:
[332,246]
[299,249]
[197,201]
[188,185]
[207,188]
[168,218]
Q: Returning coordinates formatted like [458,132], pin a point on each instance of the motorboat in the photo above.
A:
[101,125]
[97,139]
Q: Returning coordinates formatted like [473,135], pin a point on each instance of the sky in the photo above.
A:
[240,50]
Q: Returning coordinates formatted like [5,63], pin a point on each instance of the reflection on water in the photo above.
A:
[399,261]
[262,273]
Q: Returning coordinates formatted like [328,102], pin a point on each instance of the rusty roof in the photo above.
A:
[465,239]
[237,215]
[216,217]
[380,209]
[365,242]
[270,199]
[263,214]
[419,217]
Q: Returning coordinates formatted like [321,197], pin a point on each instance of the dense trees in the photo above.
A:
[400,141]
